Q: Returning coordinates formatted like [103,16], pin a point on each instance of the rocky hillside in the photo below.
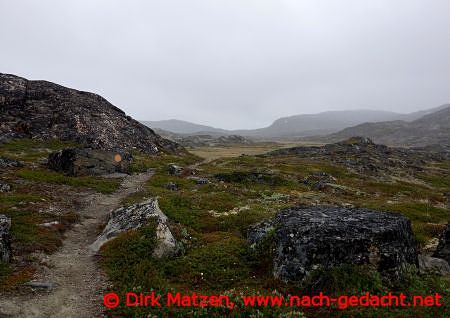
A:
[430,129]
[40,109]
[362,155]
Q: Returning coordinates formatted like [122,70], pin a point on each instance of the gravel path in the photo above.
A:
[78,282]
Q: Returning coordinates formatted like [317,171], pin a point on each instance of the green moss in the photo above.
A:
[102,185]
[30,150]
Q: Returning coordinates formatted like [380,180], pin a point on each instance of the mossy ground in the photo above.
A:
[211,221]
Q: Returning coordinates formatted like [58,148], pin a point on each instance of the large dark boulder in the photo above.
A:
[86,161]
[443,248]
[5,239]
[40,109]
[309,238]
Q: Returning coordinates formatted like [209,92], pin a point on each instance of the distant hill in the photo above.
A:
[41,109]
[184,127]
[320,124]
[433,128]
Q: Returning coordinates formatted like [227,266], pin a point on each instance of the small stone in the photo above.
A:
[4,187]
[175,170]
[434,265]
[41,285]
[5,239]
[172,186]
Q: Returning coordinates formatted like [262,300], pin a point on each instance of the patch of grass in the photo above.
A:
[30,150]
[29,236]
[142,162]
[102,185]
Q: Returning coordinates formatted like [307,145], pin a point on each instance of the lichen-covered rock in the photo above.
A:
[308,238]
[40,109]
[85,161]
[433,265]
[135,217]
[9,163]
[5,239]
[4,187]
[175,170]
[443,248]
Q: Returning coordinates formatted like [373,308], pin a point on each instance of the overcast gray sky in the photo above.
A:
[235,63]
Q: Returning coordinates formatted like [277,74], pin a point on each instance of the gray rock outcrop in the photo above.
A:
[40,109]
[443,248]
[308,238]
[5,239]
[9,163]
[85,161]
[135,217]
[433,265]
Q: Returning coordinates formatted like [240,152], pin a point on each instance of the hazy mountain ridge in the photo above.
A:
[305,125]
[433,128]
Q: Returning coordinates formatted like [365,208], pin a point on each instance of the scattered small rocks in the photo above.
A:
[4,187]
[234,211]
[199,180]
[5,239]
[319,180]
[135,217]
[308,238]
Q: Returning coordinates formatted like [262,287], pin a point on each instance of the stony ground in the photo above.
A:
[75,283]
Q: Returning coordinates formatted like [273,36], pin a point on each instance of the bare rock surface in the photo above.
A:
[135,217]
[443,248]
[5,239]
[433,265]
[308,238]
[41,109]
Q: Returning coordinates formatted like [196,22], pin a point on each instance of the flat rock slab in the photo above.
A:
[41,285]
[308,238]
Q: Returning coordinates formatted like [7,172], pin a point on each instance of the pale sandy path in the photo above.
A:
[73,268]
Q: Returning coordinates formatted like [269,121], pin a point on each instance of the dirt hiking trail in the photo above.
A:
[78,283]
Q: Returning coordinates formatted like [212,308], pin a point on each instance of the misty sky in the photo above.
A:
[235,63]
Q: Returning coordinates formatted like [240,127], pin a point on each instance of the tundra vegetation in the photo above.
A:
[211,222]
